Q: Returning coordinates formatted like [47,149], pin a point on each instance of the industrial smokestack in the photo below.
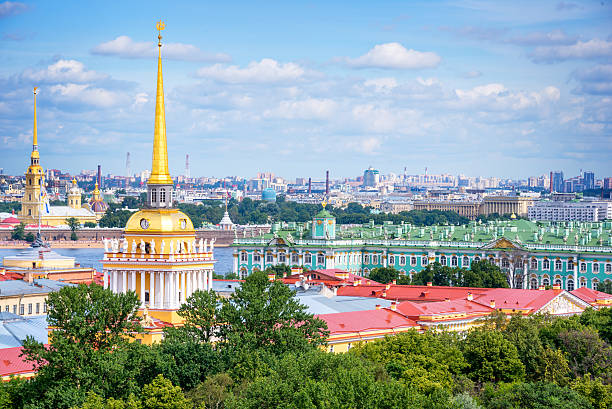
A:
[100,176]
[127,166]
[327,183]
[310,185]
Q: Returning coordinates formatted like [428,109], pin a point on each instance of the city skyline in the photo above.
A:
[415,85]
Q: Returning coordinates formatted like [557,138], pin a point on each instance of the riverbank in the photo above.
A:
[56,244]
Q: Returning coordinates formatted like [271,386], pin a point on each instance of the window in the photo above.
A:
[21,309]
[29,212]
[608,268]
[366,259]
[244,257]
[6,308]
[558,265]
[534,264]
[505,263]
[583,282]
[307,258]
[320,259]
[545,281]
[375,259]
[391,260]
[269,258]
[402,260]
[546,264]
[443,260]
[570,264]
[533,283]
[476,258]
[583,267]
[465,262]
[281,258]
[424,260]
[294,259]
[413,261]
[558,282]
[45,307]
[256,258]
[30,309]
[153,195]
[570,285]
[14,308]
[454,261]
[596,267]
[162,195]
[331,348]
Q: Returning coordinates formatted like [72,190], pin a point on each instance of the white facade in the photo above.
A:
[566,211]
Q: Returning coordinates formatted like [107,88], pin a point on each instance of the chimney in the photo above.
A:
[393,306]
[492,304]
[327,183]
[556,286]
[429,284]
[271,276]
[355,283]
[378,306]
[384,294]
[309,185]
[394,282]
[387,286]
[541,288]
[100,176]
[470,297]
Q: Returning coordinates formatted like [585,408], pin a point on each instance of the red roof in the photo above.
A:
[591,296]
[509,298]
[10,275]
[11,220]
[417,293]
[12,364]
[330,277]
[357,321]
[471,308]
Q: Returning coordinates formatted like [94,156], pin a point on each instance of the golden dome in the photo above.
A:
[156,221]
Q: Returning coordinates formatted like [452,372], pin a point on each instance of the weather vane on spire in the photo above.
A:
[160,27]
[35,89]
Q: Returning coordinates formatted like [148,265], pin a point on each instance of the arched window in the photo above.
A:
[454,261]
[375,259]
[594,284]
[443,260]
[269,258]
[465,262]
[320,258]
[413,261]
[256,258]
[533,283]
[281,258]
[608,268]
[570,285]
[595,267]
[534,264]
[558,265]
[162,195]
[307,258]
[424,261]
[583,267]
[505,263]
[546,264]
[570,264]
[402,260]
[558,282]
[391,260]
[476,258]
[545,282]
[294,258]
[153,195]
[583,282]
[244,257]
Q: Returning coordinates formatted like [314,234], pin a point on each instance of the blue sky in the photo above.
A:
[507,89]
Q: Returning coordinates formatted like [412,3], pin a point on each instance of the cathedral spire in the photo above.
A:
[159,170]
[35,156]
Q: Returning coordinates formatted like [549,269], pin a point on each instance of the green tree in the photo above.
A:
[90,225]
[161,394]
[485,275]
[18,232]
[200,314]
[265,314]
[601,320]
[213,392]
[492,358]
[74,225]
[587,353]
[532,396]
[30,237]
[605,287]
[598,394]
[384,275]
[279,270]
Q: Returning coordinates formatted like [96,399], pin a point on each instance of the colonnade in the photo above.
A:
[165,289]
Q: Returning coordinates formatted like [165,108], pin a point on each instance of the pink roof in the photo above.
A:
[11,220]
[590,296]
[416,293]
[357,321]
[12,364]
[412,309]
[509,298]
[329,277]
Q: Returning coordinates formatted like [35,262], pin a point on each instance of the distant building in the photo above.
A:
[27,299]
[566,211]
[268,195]
[607,183]
[556,181]
[371,177]
[588,180]
[469,209]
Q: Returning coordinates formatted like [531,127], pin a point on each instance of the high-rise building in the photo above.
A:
[371,177]
[556,181]
[607,183]
[588,179]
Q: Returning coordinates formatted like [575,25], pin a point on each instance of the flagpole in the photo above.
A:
[40,205]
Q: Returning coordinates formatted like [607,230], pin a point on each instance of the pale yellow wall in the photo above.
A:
[24,300]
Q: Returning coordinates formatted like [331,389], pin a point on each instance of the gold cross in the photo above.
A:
[160,26]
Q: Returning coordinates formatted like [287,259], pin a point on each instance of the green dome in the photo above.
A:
[324,214]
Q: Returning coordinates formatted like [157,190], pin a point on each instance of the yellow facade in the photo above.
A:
[28,305]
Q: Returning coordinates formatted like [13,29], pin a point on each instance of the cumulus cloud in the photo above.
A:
[555,37]
[265,71]
[383,85]
[311,108]
[10,8]
[394,56]
[497,97]
[63,70]
[86,94]
[595,80]
[591,49]
[125,47]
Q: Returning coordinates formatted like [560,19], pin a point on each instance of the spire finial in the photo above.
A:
[159,170]
[35,132]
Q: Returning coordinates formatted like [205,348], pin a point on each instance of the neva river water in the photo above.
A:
[92,257]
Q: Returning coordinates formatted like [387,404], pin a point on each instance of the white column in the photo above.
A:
[235,257]
[125,277]
[195,281]
[183,288]
[205,280]
[188,284]
[162,294]
[104,277]
[210,279]
[114,282]
[142,289]
[175,287]
[151,289]
[200,280]
[133,284]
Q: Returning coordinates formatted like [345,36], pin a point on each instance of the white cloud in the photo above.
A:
[496,96]
[311,108]
[595,80]
[395,56]
[86,94]
[591,49]
[554,37]
[63,70]
[265,71]
[9,8]
[125,47]
[383,85]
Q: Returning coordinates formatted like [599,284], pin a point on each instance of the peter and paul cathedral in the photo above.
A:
[159,257]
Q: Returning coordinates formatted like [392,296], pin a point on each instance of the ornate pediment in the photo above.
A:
[564,304]
[503,244]
[281,241]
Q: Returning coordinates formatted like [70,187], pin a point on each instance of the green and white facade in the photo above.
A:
[568,254]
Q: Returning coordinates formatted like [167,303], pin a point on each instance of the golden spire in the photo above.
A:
[159,170]
[35,139]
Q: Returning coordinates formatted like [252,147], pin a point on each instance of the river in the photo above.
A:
[92,257]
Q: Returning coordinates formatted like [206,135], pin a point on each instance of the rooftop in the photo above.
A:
[38,286]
